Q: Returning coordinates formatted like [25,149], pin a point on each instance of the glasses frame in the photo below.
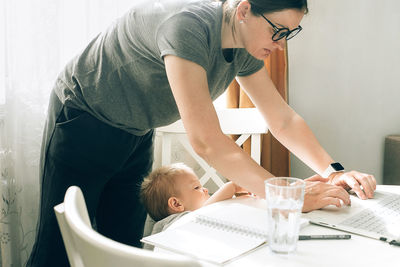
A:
[276,37]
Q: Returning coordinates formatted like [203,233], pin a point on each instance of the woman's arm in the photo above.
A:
[283,122]
[188,82]
[292,131]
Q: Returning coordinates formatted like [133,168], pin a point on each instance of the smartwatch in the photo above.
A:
[333,167]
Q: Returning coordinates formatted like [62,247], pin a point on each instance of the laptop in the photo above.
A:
[377,218]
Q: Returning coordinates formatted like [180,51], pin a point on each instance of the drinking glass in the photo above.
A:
[285,198]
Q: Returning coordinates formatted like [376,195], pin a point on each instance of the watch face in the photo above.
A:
[337,166]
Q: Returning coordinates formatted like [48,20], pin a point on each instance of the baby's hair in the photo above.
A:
[158,187]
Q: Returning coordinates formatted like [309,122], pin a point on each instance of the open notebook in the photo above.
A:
[216,234]
[376,218]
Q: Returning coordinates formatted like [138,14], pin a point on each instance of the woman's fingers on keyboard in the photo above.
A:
[362,184]
[330,200]
[319,195]
[367,182]
[338,193]
[356,187]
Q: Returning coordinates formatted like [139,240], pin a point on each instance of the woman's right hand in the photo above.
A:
[319,194]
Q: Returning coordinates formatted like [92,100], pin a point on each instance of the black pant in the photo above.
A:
[107,163]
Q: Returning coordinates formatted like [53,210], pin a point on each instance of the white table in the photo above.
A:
[358,251]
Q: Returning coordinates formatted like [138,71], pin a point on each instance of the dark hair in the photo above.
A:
[268,6]
[259,7]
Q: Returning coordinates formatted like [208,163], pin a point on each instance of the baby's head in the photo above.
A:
[172,189]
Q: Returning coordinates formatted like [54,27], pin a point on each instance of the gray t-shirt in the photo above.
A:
[120,76]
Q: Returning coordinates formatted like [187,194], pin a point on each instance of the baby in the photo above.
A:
[171,191]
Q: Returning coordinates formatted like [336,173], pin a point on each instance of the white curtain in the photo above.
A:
[37,38]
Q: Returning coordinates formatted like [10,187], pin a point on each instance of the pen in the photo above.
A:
[323,237]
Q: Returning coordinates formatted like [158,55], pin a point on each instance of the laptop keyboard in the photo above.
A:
[380,218]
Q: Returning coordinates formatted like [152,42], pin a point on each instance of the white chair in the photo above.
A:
[245,122]
[86,247]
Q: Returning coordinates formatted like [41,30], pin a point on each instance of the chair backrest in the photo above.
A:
[87,248]
[245,122]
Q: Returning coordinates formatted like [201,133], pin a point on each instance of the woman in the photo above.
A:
[162,61]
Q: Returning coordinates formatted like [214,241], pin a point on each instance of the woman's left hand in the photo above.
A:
[362,184]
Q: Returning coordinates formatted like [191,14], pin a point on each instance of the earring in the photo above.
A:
[241,21]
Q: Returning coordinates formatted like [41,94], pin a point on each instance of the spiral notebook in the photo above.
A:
[216,235]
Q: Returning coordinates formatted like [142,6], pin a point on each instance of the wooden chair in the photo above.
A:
[87,248]
[246,123]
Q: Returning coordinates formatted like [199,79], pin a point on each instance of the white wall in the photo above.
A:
[344,70]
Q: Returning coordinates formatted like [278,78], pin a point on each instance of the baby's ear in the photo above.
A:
[175,205]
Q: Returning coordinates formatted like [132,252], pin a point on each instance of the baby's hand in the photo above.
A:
[241,194]
[240,191]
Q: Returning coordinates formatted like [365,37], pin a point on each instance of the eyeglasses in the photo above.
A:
[280,33]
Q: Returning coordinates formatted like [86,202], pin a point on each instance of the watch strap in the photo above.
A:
[332,168]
